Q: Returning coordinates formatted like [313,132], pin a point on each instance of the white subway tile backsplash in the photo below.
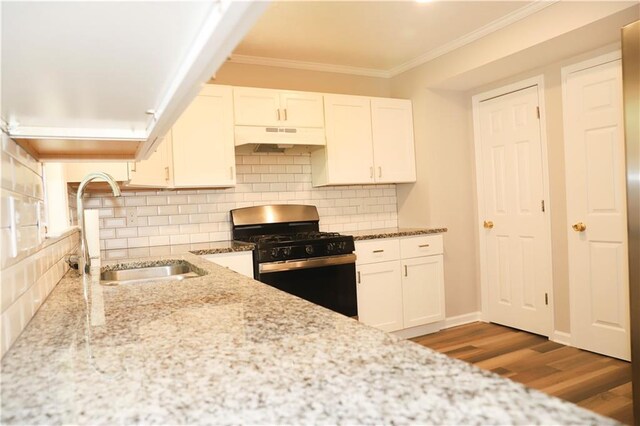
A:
[178,219]
[189,229]
[116,243]
[167,210]
[156,200]
[194,216]
[146,231]
[177,199]
[126,232]
[179,239]
[160,240]
[118,222]
[138,242]
[188,208]
[169,230]
[158,220]
[147,211]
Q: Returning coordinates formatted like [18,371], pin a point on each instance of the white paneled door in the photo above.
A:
[596,209]
[516,238]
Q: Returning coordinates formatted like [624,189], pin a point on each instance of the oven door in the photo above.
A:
[326,281]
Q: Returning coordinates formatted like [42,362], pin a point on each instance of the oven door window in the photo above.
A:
[333,287]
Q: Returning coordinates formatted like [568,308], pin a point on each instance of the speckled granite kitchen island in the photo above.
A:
[223,349]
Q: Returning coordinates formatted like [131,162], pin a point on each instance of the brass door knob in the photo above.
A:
[488,224]
[579,227]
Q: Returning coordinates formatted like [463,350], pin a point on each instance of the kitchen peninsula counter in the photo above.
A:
[223,348]
[372,234]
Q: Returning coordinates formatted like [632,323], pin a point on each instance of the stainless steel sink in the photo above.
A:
[173,272]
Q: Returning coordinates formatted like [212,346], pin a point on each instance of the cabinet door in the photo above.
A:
[422,290]
[256,107]
[203,148]
[380,295]
[155,171]
[301,109]
[349,153]
[393,145]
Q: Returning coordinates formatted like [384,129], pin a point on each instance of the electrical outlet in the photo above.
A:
[132,216]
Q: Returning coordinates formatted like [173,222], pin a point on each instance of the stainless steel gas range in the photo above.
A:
[292,255]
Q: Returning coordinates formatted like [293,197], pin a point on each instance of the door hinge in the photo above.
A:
[546,298]
[542,205]
[538,111]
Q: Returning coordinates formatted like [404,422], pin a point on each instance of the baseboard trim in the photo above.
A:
[561,337]
[421,330]
[462,319]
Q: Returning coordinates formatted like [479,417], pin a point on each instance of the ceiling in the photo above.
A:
[373,37]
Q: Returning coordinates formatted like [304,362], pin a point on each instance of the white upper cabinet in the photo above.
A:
[269,107]
[302,109]
[203,146]
[154,172]
[393,144]
[256,107]
[198,151]
[369,140]
[348,157]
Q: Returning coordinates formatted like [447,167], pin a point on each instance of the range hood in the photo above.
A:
[279,139]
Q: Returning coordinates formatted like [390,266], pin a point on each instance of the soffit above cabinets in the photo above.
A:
[116,74]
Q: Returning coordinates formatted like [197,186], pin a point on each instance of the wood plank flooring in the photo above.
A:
[595,382]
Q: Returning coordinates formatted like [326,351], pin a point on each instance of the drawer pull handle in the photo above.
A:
[378,251]
[423,245]
[359,277]
[405,271]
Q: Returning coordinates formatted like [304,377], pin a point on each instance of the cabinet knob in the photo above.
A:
[488,224]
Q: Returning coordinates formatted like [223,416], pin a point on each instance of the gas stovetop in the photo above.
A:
[287,232]
[297,238]
[304,245]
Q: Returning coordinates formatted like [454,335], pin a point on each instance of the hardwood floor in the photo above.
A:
[592,381]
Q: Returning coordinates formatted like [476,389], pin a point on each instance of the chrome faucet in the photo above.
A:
[84,250]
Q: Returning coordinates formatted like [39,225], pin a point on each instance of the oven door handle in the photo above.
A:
[318,262]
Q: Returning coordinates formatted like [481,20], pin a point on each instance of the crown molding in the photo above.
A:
[308,66]
[468,38]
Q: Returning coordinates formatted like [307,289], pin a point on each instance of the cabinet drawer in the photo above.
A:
[423,245]
[382,250]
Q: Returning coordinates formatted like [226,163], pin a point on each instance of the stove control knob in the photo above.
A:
[286,251]
[331,247]
[275,252]
[342,245]
[308,249]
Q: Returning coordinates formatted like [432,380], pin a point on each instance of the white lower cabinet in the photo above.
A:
[380,295]
[240,261]
[400,282]
[422,290]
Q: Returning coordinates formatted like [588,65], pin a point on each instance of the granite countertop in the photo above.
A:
[372,234]
[213,247]
[223,348]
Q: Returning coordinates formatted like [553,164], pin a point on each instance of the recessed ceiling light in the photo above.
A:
[423,1]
